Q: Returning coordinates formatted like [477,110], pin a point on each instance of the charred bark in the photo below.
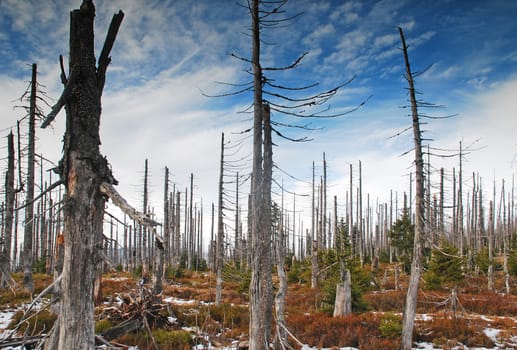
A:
[83,170]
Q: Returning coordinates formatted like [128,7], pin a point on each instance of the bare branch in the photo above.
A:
[302,139]
[110,191]
[291,66]
[104,59]
[61,101]
[50,188]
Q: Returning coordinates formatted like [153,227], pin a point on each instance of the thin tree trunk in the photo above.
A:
[220,232]
[5,254]
[360,233]
[314,241]
[416,265]
[190,245]
[143,229]
[491,286]
[166,225]
[324,206]
[177,245]
[281,336]
[29,199]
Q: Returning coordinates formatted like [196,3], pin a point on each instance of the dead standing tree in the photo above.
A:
[289,102]
[87,178]
[416,265]
[5,253]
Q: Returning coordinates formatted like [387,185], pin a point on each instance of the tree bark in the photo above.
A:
[166,225]
[491,285]
[281,335]
[416,265]
[343,303]
[220,232]
[29,199]
[261,284]
[158,266]
[5,254]
[314,240]
[83,170]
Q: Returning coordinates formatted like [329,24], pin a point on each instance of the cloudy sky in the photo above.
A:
[168,52]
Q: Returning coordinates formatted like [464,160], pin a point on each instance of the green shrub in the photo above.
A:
[361,280]
[391,326]
[445,268]
[297,272]
[102,325]
[173,339]
[40,266]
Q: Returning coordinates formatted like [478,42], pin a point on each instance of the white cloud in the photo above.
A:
[319,34]
[387,40]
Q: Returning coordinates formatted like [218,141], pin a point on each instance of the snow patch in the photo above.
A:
[178,301]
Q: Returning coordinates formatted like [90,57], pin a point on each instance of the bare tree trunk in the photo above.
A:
[237,240]
[314,241]
[5,254]
[220,232]
[29,199]
[343,303]
[324,206]
[281,335]
[83,169]
[190,245]
[177,245]
[491,285]
[360,233]
[143,229]
[416,265]
[158,266]
[351,213]
[166,225]
[506,242]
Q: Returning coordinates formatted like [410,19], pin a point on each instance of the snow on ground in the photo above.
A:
[5,318]
[178,301]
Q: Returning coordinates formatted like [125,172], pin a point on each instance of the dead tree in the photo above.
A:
[166,218]
[314,240]
[29,196]
[269,97]
[416,265]
[83,171]
[5,253]
[219,257]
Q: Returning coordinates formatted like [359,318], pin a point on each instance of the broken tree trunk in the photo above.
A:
[83,170]
[343,303]
[5,254]
[29,198]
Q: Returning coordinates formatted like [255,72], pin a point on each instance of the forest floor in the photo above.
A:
[184,316]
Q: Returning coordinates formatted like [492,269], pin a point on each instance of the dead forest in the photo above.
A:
[435,264]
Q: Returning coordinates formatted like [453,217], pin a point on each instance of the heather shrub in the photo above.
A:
[452,331]
[323,331]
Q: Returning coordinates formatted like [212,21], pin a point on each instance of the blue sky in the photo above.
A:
[168,51]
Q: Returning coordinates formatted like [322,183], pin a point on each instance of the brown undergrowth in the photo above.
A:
[188,302]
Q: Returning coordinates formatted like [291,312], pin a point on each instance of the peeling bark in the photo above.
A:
[83,170]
